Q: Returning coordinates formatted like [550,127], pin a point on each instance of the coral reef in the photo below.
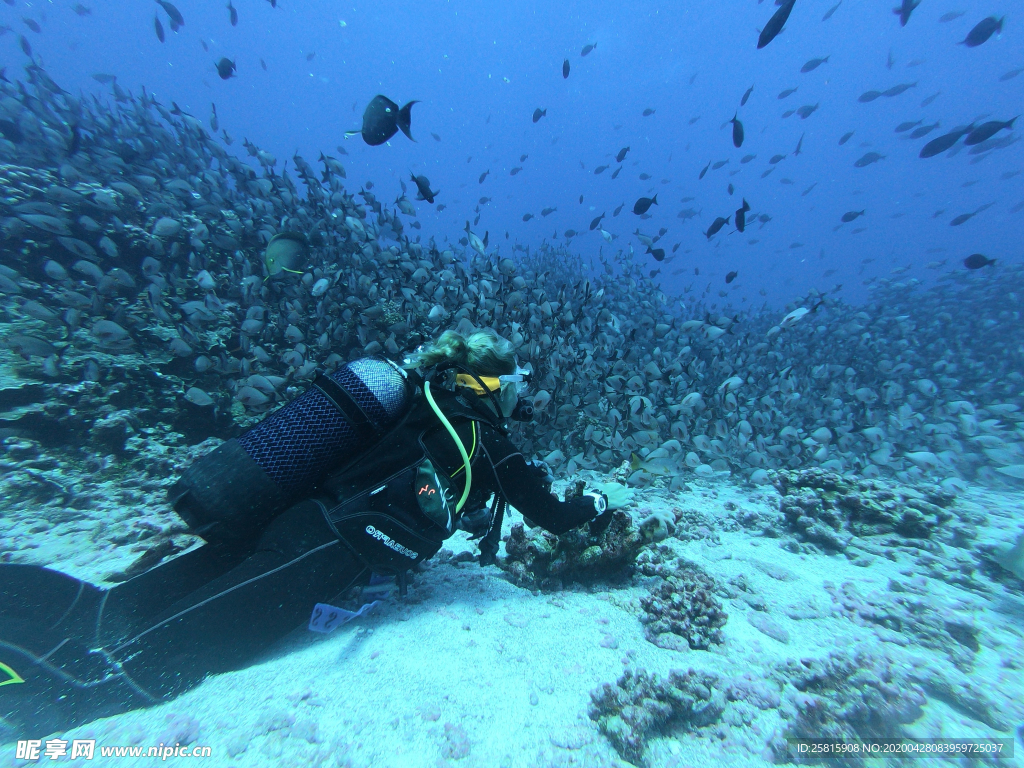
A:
[845,696]
[681,611]
[642,704]
[828,510]
[902,617]
[536,559]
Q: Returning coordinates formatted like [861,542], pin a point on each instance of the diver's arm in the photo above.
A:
[525,490]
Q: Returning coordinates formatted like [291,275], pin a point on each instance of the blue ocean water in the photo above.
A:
[927,598]
[479,70]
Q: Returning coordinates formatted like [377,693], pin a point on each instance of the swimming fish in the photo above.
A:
[643,203]
[851,215]
[286,252]
[538,113]
[977,261]
[382,119]
[716,225]
[775,23]
[423,186]
[737,132]
[746,96]
[987,131]
[906,8]
[813,64]
[565,69]
[982,31]
[225,68]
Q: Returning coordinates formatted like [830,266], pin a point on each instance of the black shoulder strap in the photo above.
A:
[341,400]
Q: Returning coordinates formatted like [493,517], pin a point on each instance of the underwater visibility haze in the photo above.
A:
[755,280]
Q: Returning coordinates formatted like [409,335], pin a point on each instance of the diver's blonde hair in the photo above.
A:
[484,353]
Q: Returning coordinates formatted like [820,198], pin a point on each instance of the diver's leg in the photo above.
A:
[229,622]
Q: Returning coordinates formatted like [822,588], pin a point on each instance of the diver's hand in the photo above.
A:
[618,496]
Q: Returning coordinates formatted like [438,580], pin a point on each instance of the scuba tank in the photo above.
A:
[231,493]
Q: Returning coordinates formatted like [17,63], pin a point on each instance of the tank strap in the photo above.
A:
[341,400]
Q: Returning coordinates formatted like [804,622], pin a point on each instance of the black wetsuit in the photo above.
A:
[85,653]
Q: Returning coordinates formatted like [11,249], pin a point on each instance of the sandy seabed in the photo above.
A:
[470,670]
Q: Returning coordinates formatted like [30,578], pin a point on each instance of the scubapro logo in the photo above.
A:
[390,543]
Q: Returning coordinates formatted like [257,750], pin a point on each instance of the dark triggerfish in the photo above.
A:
[382,119]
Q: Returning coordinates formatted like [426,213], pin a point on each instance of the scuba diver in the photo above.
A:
[366,473]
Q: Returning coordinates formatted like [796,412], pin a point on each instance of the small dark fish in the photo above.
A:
[924,130]
[214,126]
[746,159]
[830,11]
[950,16]
[548,211]
[565,69]
[233,14]
[571,233]
[538,113]
[423,186]
[776,159]
[944,142]
[731,189]
[807,110]
[159,29]
[904,127]
[705,170]
[172,13]
[382,119]
[807,191]
[648,112]
[896,90]
[929,99]
[225,68]
[600,169]
[868,159]
[436,137]
[273,3]
[616,172]
[82,10]
[618,210]
[483,176]
[962,218]
[643,203]
[263,64]
[716,226]
[787,92]
[737,132]
[890,62]
[987,131]
[622,154]
[799,144]
[587,49]
[206,48]
[813,64]
[732,275]
[515,170]
[746,96]
[104,78]
[596,222]
[851,215]
[658,254]
[741,215]
[788,113]
[977,261]
[868,96]
[982,31]
[906,8]
[311,55]
[33,25]
[775,23]
[522,158]
[1011,74]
